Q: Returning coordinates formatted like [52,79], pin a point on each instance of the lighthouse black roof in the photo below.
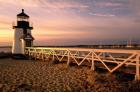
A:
[22,14]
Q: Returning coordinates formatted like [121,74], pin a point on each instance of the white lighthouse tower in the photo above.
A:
[22,34]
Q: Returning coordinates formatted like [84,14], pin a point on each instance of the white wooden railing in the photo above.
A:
[80,55]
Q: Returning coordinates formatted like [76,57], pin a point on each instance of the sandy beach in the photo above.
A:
[37,76]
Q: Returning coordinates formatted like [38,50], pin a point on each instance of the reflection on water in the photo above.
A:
[5,49]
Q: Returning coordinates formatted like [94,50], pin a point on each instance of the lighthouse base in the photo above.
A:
[19,56]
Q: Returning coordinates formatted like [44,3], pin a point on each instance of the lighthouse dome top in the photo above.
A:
[22,14]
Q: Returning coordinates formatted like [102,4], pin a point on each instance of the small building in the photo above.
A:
[22,34]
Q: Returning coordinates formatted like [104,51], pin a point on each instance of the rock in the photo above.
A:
[26,87]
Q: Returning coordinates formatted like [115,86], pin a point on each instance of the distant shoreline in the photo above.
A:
[5,46]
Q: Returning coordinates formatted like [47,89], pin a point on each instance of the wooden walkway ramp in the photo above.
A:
[117,57]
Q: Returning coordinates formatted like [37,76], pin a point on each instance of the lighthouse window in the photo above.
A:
[22,19]
[28,43]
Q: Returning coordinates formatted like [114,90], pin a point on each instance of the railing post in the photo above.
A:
[53,55]
[92,66]
[42,54]
[29,53]
[35,56]
[103,55]
[137,76]
[68,55]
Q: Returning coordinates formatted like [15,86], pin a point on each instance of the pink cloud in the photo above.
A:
[53,23]
[101,15]
[108,4]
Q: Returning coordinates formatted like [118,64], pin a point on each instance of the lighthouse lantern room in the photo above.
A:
[22,34]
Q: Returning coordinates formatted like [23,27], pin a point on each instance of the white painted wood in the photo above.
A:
[91,55]
[137,76]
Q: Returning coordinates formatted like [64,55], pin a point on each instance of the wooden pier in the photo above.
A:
[117,57]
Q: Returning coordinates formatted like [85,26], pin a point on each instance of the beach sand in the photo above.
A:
[37,76]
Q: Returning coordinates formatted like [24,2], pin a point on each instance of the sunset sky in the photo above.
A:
[74,22]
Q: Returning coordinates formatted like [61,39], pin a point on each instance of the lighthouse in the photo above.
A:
[22,34]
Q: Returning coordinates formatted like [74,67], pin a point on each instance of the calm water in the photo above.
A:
[5,49]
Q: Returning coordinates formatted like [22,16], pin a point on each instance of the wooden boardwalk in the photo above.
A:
[117,57]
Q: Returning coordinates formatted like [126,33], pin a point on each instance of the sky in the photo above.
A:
[73,22]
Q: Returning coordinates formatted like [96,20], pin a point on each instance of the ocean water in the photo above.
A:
[5,49]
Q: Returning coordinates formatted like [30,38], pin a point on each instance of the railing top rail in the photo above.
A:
[88,49]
